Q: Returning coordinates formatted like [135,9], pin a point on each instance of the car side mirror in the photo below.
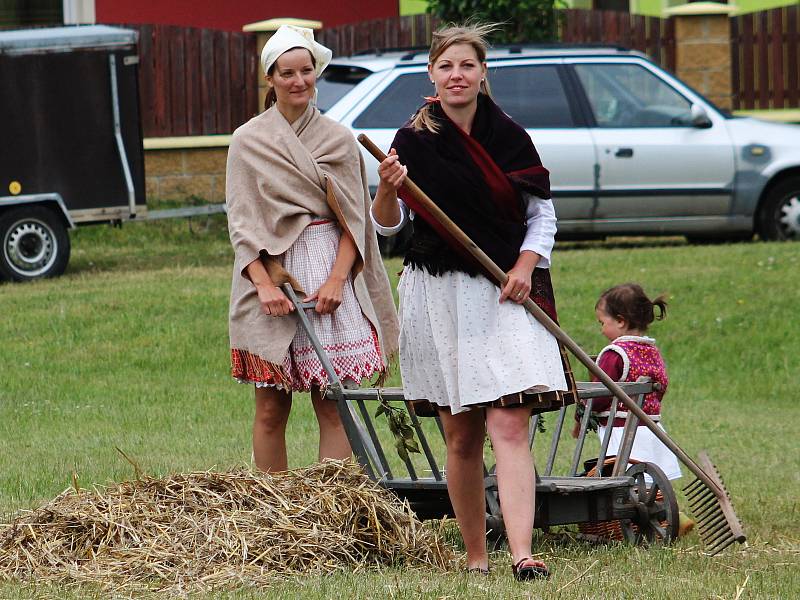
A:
[699,117]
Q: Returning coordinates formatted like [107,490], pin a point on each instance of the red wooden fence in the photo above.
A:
[765,47]
[651,35]
[195,81]
[392,32]
[202,81]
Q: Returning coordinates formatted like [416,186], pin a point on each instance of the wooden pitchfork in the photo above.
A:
[710,503]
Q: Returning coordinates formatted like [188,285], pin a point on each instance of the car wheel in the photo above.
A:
[35,244]
[779,217]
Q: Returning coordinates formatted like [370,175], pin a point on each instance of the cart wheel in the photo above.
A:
[495,532]
[35,244]
[495,527]
[657,506]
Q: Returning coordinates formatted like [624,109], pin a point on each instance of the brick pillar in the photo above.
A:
[703,48]
[264,31]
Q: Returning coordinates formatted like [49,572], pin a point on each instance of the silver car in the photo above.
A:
[631,149]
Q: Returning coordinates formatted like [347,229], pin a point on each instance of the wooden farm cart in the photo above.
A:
[644,511]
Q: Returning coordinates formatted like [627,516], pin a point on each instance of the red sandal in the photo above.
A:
[529,568]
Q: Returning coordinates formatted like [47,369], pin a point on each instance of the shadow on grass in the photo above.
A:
[622,242]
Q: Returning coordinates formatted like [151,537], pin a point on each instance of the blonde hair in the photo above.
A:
[471,34]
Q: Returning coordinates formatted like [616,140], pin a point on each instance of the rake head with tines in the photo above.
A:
[717,522]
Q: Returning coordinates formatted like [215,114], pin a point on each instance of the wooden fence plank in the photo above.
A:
[668,45]
[177,82]
[575,27]
[161,108]
[251,58]
[238,96]
[654,41]
[640,33]
[625,29]
[792,40]
[736,67]
[222,82]
[763,59]
[610,29]
[748,61]
[194,93]
[146,79]
[776,67]
[209,103]
[596,25]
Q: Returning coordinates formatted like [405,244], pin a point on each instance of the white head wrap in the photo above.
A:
[290,36]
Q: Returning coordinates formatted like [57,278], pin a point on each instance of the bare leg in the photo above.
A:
[333,442]
[464,434]
[269,428]
[508,430]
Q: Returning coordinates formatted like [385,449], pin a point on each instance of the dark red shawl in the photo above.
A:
[477,180]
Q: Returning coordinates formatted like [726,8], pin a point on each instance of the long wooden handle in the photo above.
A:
[542,317]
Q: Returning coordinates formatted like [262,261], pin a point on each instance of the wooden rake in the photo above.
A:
[710,503]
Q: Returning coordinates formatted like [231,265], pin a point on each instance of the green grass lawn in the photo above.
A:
[129,349]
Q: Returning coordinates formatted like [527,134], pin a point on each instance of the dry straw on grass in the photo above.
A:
[218,529]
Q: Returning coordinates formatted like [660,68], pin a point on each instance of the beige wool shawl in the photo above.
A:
[279,176]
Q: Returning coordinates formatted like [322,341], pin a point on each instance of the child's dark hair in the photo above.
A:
[628,301]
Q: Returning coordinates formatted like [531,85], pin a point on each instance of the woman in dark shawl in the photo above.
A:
[468,349]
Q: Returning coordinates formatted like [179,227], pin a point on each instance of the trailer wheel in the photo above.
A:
[35,244]
[656,504]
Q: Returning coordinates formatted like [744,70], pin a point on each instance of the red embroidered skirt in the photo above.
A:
[348,338]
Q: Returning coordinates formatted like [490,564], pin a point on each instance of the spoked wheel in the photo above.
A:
[495,527]
[657,507]
[495,532]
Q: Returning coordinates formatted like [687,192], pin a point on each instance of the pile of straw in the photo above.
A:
[218,529]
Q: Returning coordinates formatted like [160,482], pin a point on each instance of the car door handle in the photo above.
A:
[624,152]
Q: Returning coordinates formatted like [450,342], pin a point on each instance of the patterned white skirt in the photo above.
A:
[460,347]
[346,335]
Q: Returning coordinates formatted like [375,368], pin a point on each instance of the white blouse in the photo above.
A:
[540,217]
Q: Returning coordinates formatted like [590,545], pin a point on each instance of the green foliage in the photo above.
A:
[518,20]
[400,426]
[594,422]
[540,424]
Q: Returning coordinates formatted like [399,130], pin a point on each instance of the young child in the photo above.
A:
[625,312]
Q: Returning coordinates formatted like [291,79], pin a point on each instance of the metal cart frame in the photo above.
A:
[646,511]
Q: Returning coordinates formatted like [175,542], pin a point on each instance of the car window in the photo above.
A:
[532,95]
[335,82]
[397,103]
[628,95]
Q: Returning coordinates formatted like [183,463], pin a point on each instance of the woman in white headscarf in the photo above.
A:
[297,199]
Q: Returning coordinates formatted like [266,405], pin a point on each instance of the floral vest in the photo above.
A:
[640,357]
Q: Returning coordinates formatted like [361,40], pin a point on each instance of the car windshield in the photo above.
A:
[335,82]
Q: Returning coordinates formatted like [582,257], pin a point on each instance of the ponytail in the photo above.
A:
[661,303]
[271,98]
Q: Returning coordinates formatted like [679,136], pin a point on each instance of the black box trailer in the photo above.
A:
[70,141]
